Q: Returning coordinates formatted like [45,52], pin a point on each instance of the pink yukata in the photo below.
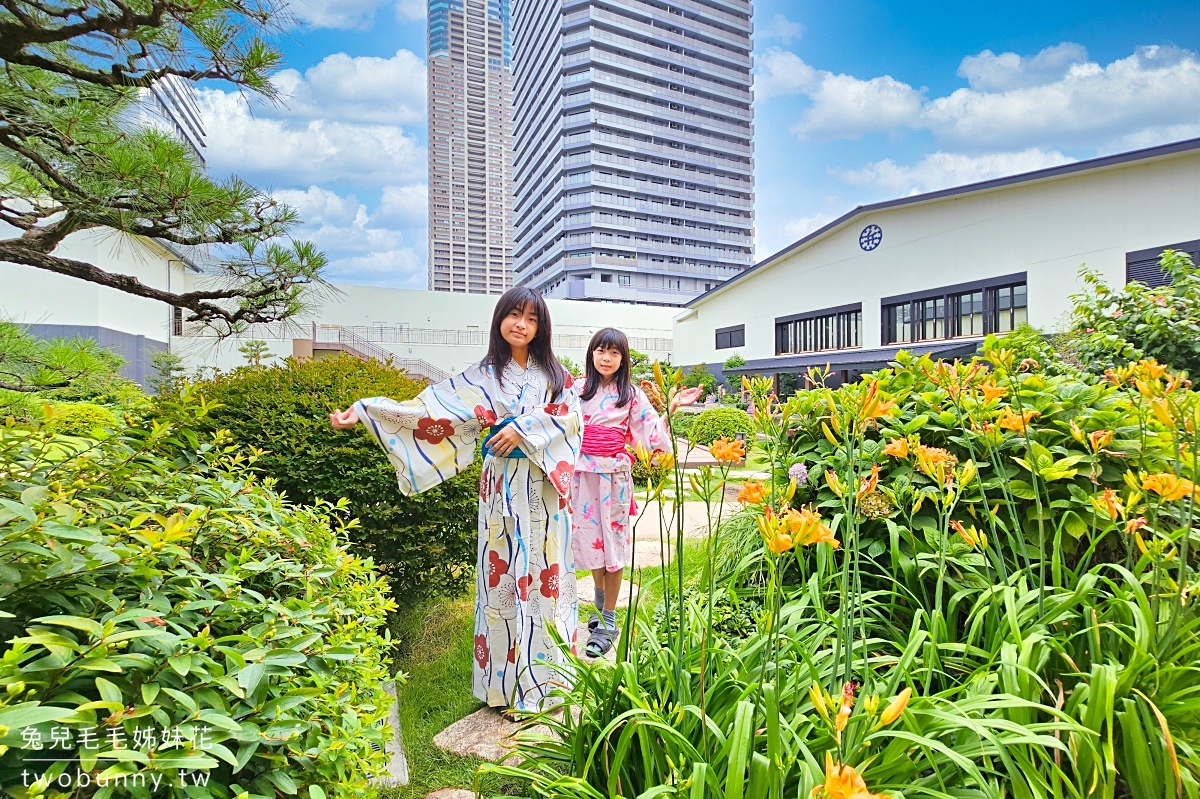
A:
[602,490]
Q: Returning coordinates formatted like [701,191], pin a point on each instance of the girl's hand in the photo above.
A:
[343,420]
[686,397]
[504,442]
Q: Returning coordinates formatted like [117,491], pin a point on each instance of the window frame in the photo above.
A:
[945,303]
[735,337]
[834,329]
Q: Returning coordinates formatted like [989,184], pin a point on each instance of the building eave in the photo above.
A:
[1050,173]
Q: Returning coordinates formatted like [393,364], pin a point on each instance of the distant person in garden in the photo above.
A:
[616,414]
[526,592]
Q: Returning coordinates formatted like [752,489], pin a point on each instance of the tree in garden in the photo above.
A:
[1118,326]
[29,365]
[254,351]
[70,161]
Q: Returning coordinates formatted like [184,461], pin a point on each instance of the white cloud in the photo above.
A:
[403,205]
[842,105]
[1155,88]
[1056,98]
[781,28]
[989,72]
[290,151]
[780,72]
[363,89]
[942,170]
[402,268]
[335,13]
[411,10]
[770,241]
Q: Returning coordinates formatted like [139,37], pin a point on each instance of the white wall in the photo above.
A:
[371,306]
[1047,228]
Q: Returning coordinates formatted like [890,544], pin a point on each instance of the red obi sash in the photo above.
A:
[607,442]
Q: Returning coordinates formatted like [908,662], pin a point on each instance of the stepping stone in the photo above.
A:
[486,735]
[452,793]
[397,773]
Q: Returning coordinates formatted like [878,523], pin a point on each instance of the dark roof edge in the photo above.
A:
[995,183]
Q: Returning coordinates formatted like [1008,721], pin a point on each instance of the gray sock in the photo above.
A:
[599,598]
[610,618]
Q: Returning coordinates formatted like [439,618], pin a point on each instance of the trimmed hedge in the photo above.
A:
[425,544]
[153,588]
[720,423]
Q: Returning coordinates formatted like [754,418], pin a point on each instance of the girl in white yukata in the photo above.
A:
[616,414]
[525,584]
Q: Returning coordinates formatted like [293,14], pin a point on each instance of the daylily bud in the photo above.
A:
[895,707]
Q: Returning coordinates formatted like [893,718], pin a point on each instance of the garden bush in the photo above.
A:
[78,418]
[681,424]
[1116,326]
[166,615]
[720,423]
[984,588]
[425,544]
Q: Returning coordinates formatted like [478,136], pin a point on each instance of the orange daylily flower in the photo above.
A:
[752,492]
[1109,503]
[1151,368]
[1099,439]
[843,782]
[992,391]
[897,448]
[1133,525]
[935,461]
[845,708]
[780,542]
[867,484]
[725,451]
[1168,486]
[974,539]
[1017,422]
[806,528]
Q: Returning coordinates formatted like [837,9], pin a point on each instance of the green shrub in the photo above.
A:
[425,544]
[699,375]
[1118,326]
[734,361]
[151,581]
[78,419]
[681,423]
[720,423]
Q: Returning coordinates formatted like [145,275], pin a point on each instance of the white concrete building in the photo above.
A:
[427,332]
[936,272]
[57,306]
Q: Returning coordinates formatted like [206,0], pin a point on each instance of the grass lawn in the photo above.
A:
[437,641]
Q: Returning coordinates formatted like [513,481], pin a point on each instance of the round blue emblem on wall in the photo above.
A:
[870,237]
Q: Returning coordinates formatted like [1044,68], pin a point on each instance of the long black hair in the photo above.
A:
[540,349]
[608,339]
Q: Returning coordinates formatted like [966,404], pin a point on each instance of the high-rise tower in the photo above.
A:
[633,155]
[470,146]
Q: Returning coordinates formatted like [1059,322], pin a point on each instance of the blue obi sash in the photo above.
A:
[496,428]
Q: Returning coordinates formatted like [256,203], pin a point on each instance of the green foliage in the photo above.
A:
[699,375]
[573,368]
[254,351]
[151,581]
[57,368]
[734,361]
[168,372]
[1117,326]
[640,366]
[75,158]
[78,419]
[682,423]
[720,423]
[1004,557]
[426,543]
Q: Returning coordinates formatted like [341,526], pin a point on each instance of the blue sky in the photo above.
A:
[856,102]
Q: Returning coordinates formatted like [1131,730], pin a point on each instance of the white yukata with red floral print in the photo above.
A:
[603,486]
[525,581]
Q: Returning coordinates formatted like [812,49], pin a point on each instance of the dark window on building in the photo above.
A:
[731,337]
[1143,267]
[176,321]
[829,329]
[964,311]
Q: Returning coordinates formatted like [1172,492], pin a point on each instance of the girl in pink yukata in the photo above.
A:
[616,414]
